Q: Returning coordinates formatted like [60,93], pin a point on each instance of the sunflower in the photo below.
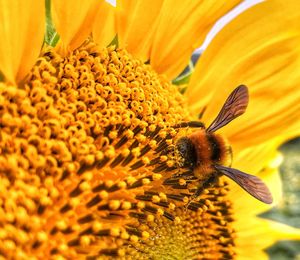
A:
[89,126]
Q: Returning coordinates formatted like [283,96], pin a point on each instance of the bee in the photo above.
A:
[209,155]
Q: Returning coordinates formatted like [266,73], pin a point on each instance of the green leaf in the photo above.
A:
[184,77]
[51,36]
[115,42]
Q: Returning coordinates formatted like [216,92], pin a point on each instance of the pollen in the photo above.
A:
[88,168]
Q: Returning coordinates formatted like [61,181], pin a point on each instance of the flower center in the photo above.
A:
[89,167]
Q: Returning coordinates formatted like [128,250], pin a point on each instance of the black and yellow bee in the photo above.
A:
[209,155]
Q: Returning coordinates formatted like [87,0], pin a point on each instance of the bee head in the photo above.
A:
[186,152]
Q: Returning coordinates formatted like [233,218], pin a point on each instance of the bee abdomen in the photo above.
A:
[215,147]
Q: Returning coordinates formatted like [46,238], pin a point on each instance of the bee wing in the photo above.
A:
[253,185]
[235,105]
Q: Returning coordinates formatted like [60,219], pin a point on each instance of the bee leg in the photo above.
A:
[206,184]
[210,181]
[201,113]
[192,124]
[193,197]
[198,192]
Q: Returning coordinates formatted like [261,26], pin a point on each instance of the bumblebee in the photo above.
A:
[209,155]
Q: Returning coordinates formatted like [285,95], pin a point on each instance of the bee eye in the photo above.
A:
[187,152]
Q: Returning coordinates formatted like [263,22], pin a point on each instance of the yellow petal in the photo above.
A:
[137,21]
[104,28]
[260,48]
[248,226]
[73,20]
[22,25]
[255,235]
[181,28]
[255,158]
[243,254]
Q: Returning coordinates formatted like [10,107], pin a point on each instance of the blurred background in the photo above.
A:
[288,211]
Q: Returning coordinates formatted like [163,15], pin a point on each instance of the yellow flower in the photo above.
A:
[88,161]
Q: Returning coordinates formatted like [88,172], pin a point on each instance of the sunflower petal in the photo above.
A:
[137,21]
[267,60]
[265,232]
[248,225]
[254,159]
[181,28]
[22,25]
[73,20]
[104,29]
